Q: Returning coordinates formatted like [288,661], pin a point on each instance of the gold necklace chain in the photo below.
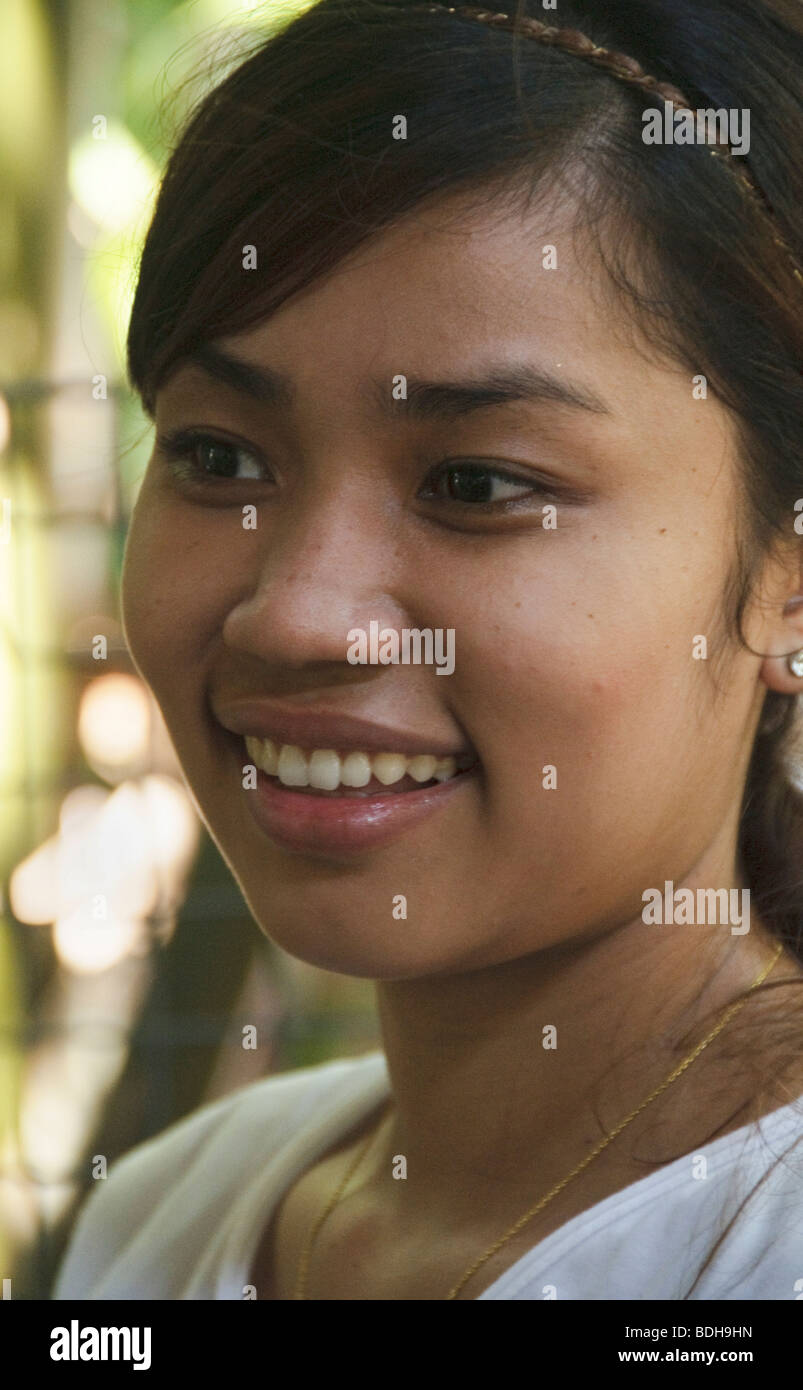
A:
[302,1276]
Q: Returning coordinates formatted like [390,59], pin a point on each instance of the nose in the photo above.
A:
[328,566]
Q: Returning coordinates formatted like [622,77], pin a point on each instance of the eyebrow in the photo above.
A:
[495,385]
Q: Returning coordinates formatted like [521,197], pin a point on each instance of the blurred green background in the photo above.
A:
[129,964]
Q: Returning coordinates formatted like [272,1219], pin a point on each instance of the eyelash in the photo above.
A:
[180,449]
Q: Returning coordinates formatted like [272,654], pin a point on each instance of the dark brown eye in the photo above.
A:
[217,458]
[204,456]
[479,485]
[223,460]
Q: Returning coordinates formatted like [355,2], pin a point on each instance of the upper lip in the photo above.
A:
[320,728]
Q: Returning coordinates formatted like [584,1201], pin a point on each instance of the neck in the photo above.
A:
[545,1053]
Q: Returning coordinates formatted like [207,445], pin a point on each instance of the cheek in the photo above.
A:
[170,593]
[588,669]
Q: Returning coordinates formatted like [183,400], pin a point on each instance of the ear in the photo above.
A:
[785,643]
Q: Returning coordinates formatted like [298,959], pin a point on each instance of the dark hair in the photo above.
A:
[293,153]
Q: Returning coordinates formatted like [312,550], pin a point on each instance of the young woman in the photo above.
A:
[457,323]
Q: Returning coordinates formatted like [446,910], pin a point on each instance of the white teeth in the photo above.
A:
[356,770]
[263,753]
[293,768]
[270,757]
[422,767]
[389,767]
[325,770]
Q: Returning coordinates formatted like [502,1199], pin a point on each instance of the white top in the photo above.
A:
[181,1216]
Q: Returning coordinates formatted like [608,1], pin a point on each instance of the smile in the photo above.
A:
[354,774]
[368,800]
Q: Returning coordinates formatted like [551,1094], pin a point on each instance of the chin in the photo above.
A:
[353,944]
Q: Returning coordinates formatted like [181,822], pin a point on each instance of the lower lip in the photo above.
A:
[344,825]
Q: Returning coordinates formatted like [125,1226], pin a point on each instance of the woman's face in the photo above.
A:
[608,756]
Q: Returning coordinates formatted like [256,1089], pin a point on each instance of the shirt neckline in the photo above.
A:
[246,1235]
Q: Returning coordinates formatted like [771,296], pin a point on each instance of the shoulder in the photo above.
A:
[198,1165]
[736,1221]
[759,1233]
[724,1222]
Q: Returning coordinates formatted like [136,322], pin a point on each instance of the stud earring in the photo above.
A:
[795,663]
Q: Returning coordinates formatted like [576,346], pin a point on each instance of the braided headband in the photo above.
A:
[619,65]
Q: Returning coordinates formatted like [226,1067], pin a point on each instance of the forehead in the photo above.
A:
[454,280]
[460,281]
